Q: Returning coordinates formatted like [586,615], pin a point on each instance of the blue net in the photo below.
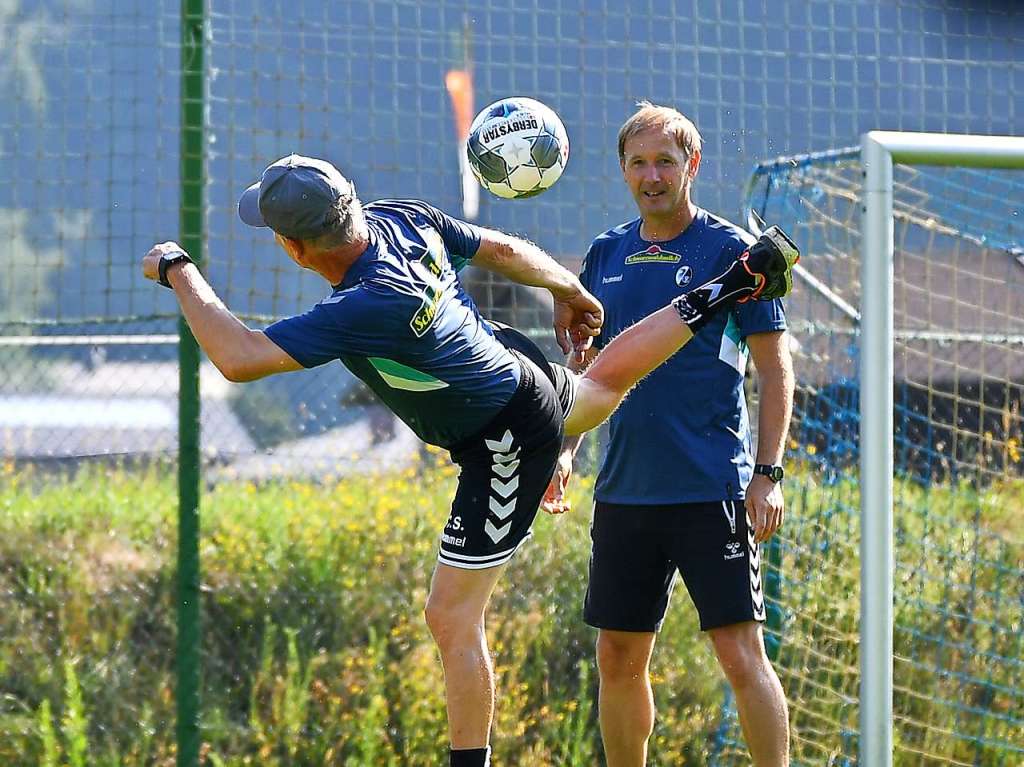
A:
[959,367]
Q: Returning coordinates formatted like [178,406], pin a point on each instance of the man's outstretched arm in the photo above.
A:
[577,314]
[239,353]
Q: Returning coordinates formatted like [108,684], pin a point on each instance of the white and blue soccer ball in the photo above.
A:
[517,148]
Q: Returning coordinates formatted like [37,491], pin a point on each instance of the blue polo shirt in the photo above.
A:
[682,435]
[401,321]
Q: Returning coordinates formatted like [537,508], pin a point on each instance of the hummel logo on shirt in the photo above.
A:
[616,278]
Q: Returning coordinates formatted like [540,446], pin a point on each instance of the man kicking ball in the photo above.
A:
[399,319]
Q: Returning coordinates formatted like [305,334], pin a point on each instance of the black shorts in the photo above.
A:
[562,379]
[637,550]
[505,470]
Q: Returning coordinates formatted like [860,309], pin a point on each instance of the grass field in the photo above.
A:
[315,651]
[315,648]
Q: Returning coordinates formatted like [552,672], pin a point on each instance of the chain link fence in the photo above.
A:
[308,620]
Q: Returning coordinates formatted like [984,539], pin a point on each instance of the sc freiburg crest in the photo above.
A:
[683,275]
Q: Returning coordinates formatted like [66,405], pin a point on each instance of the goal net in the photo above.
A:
[959,472]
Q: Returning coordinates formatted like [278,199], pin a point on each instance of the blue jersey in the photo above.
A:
[401,321]
[682,435]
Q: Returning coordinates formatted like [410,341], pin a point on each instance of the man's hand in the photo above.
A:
[151,261]
[578,317]
[554,501]
[765,507]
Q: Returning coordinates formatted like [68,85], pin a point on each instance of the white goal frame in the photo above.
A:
[879,151]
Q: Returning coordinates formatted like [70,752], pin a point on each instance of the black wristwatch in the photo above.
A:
[774,472]
[168,260]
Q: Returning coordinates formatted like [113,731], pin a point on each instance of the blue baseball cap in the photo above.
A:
[295,197]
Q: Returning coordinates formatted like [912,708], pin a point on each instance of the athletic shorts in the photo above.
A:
[505,470]
[562,379]
[636,551]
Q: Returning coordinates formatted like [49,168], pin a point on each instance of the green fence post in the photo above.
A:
[191,222]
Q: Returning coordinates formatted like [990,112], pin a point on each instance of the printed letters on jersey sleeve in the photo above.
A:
[461,239]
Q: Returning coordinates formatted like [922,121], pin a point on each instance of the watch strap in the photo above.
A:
[774,472]
[168,260]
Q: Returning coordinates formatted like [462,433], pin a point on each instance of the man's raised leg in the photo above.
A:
[455,616]
[763,272]
[621,364]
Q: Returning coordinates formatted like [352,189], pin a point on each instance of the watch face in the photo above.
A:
[776,475]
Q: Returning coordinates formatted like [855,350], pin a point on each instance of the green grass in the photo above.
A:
[316,652]
[315,648]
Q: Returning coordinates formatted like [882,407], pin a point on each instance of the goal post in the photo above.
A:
[908,423]
[880,150]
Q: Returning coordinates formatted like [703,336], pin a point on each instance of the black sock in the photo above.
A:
[699,305]
[470,757]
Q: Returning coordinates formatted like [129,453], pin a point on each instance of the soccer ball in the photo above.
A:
[517,148]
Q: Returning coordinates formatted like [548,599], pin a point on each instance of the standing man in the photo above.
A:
[678,488]
[399,319]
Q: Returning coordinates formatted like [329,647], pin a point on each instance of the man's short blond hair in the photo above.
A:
[672,121]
